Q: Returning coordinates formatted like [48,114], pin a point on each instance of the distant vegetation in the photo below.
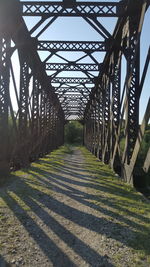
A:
[141,157]
[138,172]
[74,133]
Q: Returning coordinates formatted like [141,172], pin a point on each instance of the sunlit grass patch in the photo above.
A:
[33,180]
[123,199]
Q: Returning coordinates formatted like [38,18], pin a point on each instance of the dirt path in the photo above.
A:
[54,220]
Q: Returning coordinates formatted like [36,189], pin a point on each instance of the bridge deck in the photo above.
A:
[68,209]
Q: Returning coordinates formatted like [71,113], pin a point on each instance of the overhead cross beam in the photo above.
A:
[72,89]
[54,46]
[72,67]
[90,9]
[73,96]
[72,80]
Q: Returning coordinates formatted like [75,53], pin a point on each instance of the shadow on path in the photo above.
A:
[73,193]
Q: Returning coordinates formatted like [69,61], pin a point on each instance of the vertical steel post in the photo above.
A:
[106,120]
[23,145]
[115,110]
[42,120]
[133,67]
[4,100]
[35,120]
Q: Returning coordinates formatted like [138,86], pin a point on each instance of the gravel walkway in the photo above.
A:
[61,225]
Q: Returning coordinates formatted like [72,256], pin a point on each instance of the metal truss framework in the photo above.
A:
[73,80]
[38,123]
[48,12]
[71,46]
[72,67]
[69,8]
[112,113]
[108,109]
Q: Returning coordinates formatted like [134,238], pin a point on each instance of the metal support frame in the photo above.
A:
[23,158]
[112,106]
[72,66]
[83,46]
[4,99]
[99,9]
[25,134]
[72,80]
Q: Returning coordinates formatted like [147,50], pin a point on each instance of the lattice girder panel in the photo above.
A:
[90,9]
[115,101]
[47,140]
[72,80]
[100,121]
[62,91]
[106,119]
[133,63]
[35,107]
[4,98]
[42,120]
[72,67]
[35,119]
[83,46]
[24,96]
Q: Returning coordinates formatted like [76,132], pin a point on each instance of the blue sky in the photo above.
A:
[72,28]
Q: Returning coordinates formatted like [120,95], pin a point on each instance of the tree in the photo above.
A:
[74,132]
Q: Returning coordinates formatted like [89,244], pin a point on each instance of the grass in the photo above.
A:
[129,204]
[26,181]
[68,149]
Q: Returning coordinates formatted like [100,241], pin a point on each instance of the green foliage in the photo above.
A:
[146,143]
[141,156]
[73,132]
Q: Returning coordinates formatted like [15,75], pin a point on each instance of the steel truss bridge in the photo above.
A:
[38,96]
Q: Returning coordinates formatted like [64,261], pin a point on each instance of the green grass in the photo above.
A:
[33,179]
[68,149]
[125,200]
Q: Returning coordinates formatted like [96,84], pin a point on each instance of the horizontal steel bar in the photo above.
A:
[77,97]
[70,46]
[74,103]
[98,9]
[72,80]
[72,67]
[68,107]
[73,90]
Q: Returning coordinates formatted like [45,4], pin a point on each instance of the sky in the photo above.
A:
[73,28]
